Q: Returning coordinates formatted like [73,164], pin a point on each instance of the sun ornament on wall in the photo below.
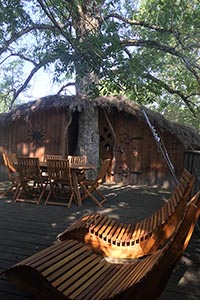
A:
[37,135]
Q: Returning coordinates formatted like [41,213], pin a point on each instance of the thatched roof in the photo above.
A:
[187,135]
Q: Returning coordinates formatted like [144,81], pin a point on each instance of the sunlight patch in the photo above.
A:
[8,201]
[123,204]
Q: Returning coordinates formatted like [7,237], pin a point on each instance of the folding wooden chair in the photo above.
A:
[31,187]
[44,168]
[78,161]
[60,181]
[90,187]
[10,161]
[52,156]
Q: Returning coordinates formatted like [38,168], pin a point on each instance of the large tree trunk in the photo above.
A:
[86,22]
[88,137]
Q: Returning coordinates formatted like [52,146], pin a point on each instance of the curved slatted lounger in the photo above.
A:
[112,238]
[68,270]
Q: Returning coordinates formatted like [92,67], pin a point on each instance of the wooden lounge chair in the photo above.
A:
[61,190]
[91,187]
[70,271]
[31,187]
[10,160]
[112,238]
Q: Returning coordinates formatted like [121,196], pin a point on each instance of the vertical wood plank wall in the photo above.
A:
[137,157]
[41,134]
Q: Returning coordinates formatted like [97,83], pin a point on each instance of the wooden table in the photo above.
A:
[75,169]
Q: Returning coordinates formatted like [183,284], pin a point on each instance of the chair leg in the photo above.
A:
[16,192]
[6,192]
[42,193]
[87,193]
[102,196]
[19,192]
[70,200]
[48,196]
[9,190]
[52,193]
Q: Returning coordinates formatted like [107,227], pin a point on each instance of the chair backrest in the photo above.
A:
[59,169]
[184,186]
[52,156]
[78,160]
[10,160]
[28,168]
[103,169]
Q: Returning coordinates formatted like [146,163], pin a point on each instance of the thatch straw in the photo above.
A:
[187,135]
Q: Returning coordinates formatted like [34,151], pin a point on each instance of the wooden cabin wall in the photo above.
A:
[41,134]
[175,150]
[137,159]
[4,145]
[4,138]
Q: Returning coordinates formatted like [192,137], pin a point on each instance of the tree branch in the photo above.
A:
[138,23]
[26,82]
[65,86]
[173,91]
[23,32]
[53,20]
[21,56]
[164,48]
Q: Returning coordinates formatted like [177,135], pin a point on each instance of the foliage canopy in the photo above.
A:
[148,50]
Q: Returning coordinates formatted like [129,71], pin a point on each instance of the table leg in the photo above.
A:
[76,188]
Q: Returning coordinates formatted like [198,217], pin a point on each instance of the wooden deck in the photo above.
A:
[27,228]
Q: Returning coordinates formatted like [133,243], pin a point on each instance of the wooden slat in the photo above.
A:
[46,260]
[127,236]
[50,266]
[85,281]
[104,227]
[145,228]
[111,282]
[87,256]
[122,232]
[37,257]
[112,231]
[98,223]
[87,294]
[108,229]
[70,280]
[116,233]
